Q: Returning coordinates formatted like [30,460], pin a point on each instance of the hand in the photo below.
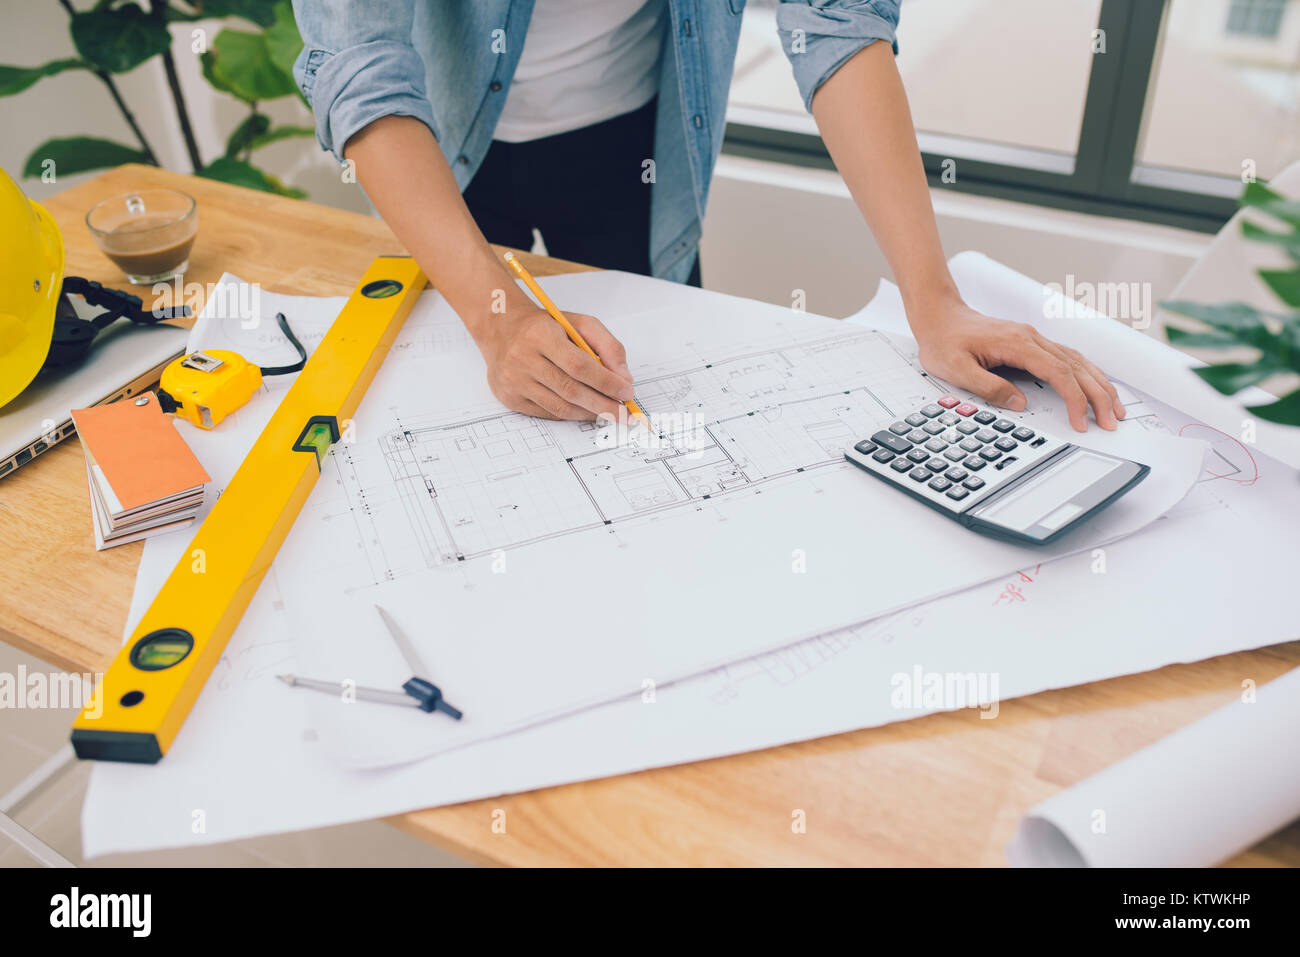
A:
[960,346]
[534,368]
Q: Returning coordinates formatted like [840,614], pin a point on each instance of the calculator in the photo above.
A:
[994,475]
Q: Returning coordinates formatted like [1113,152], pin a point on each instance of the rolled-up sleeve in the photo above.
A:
[357,64]
[820,36]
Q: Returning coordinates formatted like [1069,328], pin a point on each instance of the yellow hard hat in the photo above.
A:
[31,276]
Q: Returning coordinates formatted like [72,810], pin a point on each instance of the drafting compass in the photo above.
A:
[416,692]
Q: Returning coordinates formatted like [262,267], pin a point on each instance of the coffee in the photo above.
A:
[144,247]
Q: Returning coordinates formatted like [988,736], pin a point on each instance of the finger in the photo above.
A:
[1059,374]
[1098,396]
[610,350]
[1116,405]
[528,407]
[555,406]
[575,392]
[991,387]
[582,368]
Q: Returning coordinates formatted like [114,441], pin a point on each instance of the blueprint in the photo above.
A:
[252,752]
[544,567]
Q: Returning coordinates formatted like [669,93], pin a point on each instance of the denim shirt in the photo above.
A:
[449,64]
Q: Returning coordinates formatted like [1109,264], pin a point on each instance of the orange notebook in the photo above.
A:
[138,451]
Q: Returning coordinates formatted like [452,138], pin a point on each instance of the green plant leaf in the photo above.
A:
[281,133]
[240,63]
[15,79]
[1259,196]
[283,39]
[77,154]
[1284,282]
[1199,340]
[1288,241]
[119,39]
[1285,411]
[244,134]
[1231,377]
[261,12]
[1228,316]
[238,173]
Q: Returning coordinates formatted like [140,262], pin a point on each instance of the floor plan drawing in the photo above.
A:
[465,490]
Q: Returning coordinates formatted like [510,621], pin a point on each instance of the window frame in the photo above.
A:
[1105,177]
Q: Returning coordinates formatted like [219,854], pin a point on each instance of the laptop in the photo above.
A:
[125,360]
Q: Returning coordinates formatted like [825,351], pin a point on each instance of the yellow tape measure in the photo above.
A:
[150,687]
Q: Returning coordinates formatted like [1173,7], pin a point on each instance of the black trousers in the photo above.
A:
[583,191]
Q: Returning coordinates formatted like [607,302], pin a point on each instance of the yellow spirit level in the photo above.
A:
[150,687]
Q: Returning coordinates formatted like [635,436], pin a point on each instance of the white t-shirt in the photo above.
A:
[584,61]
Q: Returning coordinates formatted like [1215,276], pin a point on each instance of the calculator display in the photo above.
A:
[1045,499]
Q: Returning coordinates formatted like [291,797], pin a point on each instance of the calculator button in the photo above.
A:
[936,465]
[932,428]
[984,418]
[915,419]
[918,455]
[865,447]
[900,465]
[919,474]
[984,435]
[990,453]
[936,445]
[955,454]
[974,483]
[965,409]
[1004,425]
[955,474]
[950,435]
[1005,462]
[966,428]
[900,428]
[889,440]
[1006,445]
[948,401]
[940,484]
[931,410]
[958,493]
[883,455]
[916,436]
[970,445]
[974,463]
[1023,434]
[949,419]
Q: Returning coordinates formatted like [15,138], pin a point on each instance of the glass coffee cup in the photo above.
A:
[148,234]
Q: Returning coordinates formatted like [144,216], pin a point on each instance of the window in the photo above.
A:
[1256,18]
[1152,109]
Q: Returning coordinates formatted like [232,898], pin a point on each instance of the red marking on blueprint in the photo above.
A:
[1254,466]
[1012,592]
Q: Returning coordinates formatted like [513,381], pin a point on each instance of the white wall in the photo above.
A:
[772,229]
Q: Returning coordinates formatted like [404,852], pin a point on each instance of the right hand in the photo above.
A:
[534,368]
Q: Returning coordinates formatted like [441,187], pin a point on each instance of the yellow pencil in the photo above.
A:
[559,317]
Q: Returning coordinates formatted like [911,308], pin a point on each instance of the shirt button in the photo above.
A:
[699,121]
[495,87]
[463,160]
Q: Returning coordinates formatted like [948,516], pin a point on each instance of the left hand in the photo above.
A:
[959,345]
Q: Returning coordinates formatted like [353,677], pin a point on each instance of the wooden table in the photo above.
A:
[946,789]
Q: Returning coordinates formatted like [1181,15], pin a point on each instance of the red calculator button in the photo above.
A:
[948,401]
[965,409]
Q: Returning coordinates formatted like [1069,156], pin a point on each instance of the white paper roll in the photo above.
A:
[1192,799]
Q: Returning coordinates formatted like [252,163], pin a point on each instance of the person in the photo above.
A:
[598,123]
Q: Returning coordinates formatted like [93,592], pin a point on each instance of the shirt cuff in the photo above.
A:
[820,36]
[351,89]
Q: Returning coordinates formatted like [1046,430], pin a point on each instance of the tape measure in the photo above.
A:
[205,387]
[148,690]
